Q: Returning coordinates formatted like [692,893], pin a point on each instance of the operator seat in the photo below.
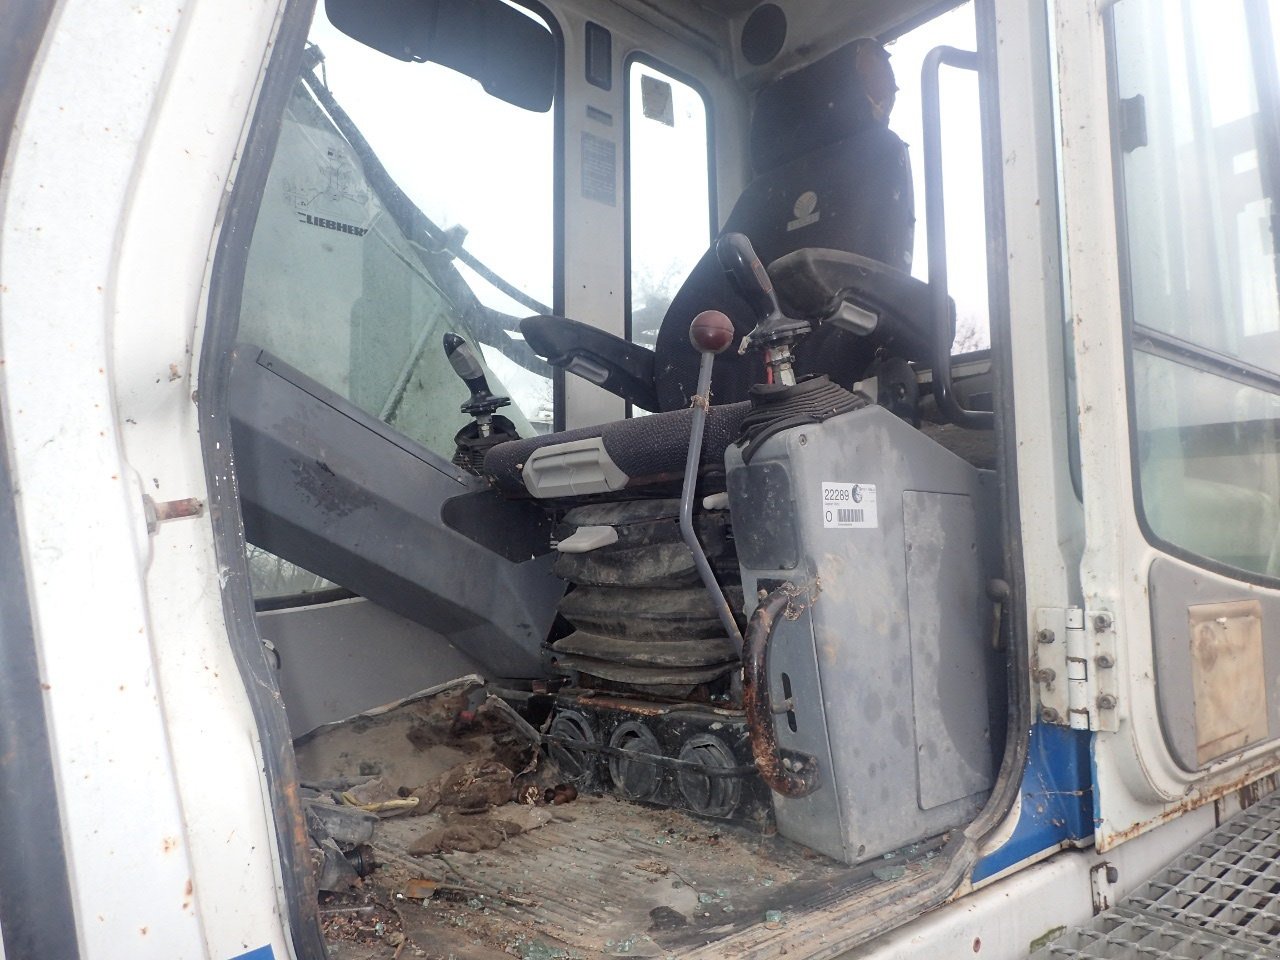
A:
[830,175]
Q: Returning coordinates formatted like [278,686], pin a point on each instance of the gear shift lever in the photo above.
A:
[466,365]
[774,332]
[710,333]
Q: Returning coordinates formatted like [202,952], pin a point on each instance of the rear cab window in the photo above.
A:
[669,191]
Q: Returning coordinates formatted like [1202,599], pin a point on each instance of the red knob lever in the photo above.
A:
[711,332]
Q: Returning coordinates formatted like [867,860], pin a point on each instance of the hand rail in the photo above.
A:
[936,235]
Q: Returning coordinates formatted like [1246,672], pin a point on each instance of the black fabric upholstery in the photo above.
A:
[830,174]
[863,204]
[836,98]
[647,449]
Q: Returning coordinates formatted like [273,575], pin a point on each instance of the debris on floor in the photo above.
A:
[492,856]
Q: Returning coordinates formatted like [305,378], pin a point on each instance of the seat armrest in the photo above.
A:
[860,294]
[623,368]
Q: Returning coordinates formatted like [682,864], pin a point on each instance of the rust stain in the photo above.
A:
[170,844]
[1240,783]
[792,776]
[178,509]
[1228,677]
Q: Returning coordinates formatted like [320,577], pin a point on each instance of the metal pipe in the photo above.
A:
[701,401]
[788,773]
[936,236]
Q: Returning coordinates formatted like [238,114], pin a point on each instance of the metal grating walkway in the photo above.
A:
[1220,900]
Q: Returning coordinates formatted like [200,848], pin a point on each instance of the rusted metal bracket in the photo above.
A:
[786,772]
[158,513]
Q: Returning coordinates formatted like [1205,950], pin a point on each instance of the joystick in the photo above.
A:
[482,403]
[774,332]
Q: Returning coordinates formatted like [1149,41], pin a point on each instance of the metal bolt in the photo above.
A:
[1106,701]
[1049,715]
[1045,675]
[1105,661]
[1102,622]
[1045,636]
[1113,875]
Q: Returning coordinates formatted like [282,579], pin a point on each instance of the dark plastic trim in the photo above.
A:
[1013,763]
[223,320]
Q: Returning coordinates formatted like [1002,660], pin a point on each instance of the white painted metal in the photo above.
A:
[112,194]
[1049,513]
[1137,781]
[1001,920]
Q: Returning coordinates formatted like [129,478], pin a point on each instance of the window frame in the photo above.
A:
[713,211]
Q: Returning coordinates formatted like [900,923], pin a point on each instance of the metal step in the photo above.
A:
[1218,899]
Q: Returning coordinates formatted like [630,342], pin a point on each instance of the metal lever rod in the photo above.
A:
[710,333]
[700,403]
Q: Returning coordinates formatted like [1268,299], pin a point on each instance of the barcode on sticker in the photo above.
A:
[849,506]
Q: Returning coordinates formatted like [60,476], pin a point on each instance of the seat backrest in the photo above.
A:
[829,173]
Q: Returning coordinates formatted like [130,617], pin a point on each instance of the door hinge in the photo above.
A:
[1073,667]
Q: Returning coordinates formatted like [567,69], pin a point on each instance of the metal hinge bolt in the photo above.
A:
[1106,701]
[1045,636]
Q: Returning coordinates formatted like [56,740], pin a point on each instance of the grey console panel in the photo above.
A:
[888,665]
[326,486]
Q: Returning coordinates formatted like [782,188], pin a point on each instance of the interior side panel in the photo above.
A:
[328,487]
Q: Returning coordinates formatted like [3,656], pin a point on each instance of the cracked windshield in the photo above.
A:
[403,202]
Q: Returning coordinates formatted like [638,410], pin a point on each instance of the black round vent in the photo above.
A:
[763,34]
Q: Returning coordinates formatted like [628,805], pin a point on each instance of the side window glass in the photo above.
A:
[403,202]
[962,167]
[1199,177]
[668,192]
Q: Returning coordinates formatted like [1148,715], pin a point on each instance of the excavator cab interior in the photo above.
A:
[745,562]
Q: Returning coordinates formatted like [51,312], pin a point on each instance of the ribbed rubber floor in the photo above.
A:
[1219,899]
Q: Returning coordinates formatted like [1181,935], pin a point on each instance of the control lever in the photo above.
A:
[738,259]
[774,332]
[482,403]
[710,333]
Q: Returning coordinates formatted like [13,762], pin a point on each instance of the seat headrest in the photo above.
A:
[823,103]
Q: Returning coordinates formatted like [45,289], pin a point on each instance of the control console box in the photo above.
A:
[891,539]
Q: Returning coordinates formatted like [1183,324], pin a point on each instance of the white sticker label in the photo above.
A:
[847,506]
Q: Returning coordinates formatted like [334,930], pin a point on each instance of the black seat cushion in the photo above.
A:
[649,450]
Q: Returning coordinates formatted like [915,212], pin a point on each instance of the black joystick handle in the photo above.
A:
[773,329]
[738,259]
[467,366]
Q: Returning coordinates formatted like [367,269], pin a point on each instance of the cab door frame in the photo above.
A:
[1138,783]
